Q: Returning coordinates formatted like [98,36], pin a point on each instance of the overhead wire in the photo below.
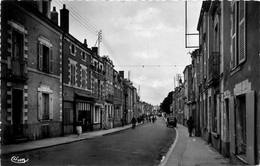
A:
[93,32]
[85,20]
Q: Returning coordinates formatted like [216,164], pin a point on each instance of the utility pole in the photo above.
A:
[99,41]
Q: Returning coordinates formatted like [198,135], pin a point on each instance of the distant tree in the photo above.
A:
[165,105]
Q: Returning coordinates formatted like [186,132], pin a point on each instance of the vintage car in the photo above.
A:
[171,121]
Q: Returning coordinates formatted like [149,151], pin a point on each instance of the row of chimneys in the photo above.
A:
[44,7]
[64,18]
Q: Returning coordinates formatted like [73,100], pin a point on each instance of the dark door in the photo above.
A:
[17,104]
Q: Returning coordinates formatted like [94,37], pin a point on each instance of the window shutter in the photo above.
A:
[40,111]
[51,60]
[232,125]
[51,106]
[250,127]
[242,32]
[39,48]
[233,34]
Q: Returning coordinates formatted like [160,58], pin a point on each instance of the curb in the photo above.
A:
[165,160]
[60,143]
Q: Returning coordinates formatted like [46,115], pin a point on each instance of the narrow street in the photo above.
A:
[144,145]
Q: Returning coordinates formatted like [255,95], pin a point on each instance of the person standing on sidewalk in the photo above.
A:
[190,124]
[133,122]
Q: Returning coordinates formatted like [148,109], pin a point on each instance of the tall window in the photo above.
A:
[83,78]
[45,57]
[238,33]
[72,74]
[18,49]
[83,54]
[89,79]
[45,103]
[45,106]
[73,51]
[19,66]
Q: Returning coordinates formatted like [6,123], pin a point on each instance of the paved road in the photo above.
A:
[144,145]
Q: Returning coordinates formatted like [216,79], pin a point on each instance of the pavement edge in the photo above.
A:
[165,160]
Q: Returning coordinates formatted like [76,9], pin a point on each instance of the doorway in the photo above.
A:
[17,114]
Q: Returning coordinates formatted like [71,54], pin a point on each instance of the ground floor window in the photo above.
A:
[97,115]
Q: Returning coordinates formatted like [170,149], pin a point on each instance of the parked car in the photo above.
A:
[171,121]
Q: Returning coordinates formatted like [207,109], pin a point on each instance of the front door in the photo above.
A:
[17,103]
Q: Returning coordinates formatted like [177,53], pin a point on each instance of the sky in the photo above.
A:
[143,38]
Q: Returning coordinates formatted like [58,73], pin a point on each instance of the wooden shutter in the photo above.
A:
[233,34]
[51,60]
[232,125]
[242,32]
[250,127]
[40,111]
[39,48]
[51,106]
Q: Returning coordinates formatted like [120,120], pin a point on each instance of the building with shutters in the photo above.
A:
[78,97]
[108,115]
[241,98]
[227,71]
[187,83]
[118,98]
[97,87]
[31,100]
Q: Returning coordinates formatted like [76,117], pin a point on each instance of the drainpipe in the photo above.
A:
[62,96]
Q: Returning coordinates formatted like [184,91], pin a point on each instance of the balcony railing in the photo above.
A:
[214,67]
[19,68]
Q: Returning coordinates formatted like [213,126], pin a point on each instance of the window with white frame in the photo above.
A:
[238,33]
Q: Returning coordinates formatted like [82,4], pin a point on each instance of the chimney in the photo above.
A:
[44,7]
[95,51]
[54,15]
[121,74]
[85,42]
[64,19]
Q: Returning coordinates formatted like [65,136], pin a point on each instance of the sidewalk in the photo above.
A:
[48,142]
[192,151]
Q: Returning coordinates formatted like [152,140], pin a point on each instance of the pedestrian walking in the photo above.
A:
[190,124]
[133,122]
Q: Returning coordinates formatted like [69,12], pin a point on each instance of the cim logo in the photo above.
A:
[17,160]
